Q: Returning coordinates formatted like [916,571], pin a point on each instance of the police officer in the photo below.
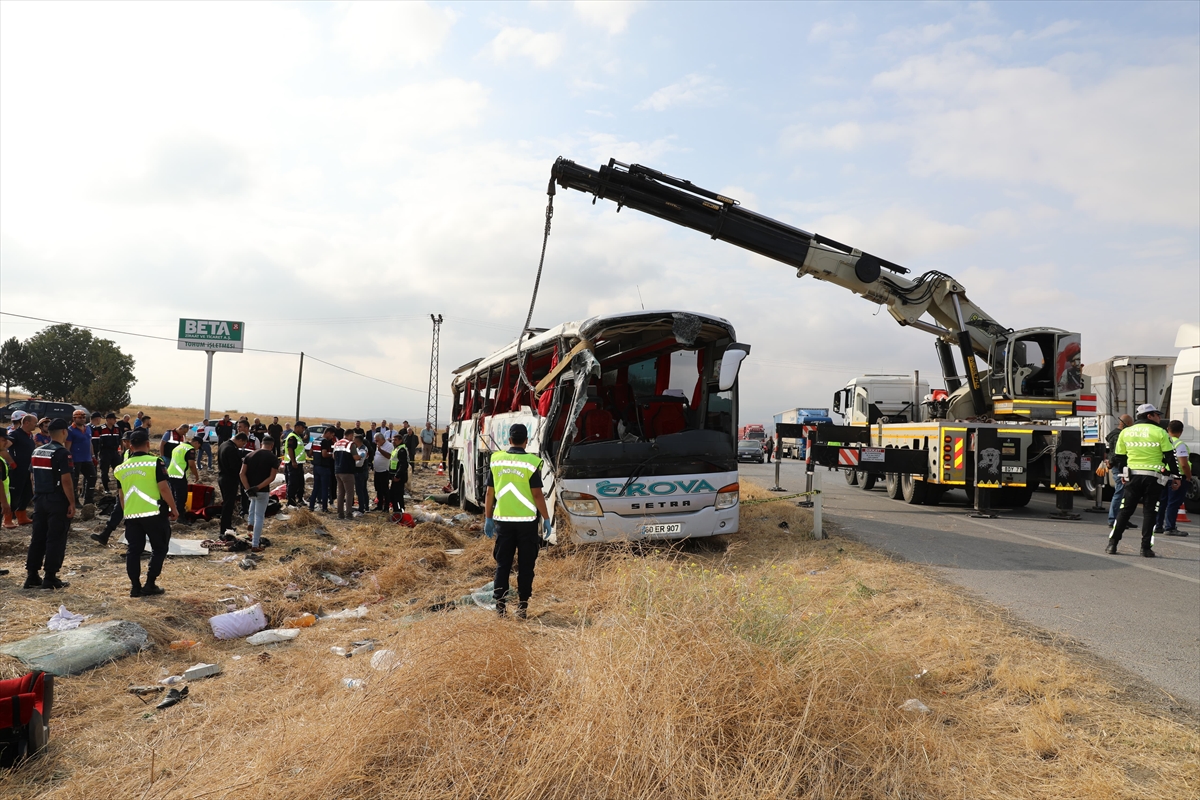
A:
[183,460]
[6,506]
[117,515]
[293,463]
[147,502]
[1150,455]
[53,508]
[399,467]
[512,507]
[107,441]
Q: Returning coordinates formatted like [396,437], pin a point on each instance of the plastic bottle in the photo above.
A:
[303,621]
[183,644]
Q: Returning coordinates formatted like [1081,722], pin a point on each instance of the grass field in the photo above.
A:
[759,665]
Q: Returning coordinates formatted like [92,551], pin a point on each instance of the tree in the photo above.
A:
[13,364]
[112,376]
[68,363]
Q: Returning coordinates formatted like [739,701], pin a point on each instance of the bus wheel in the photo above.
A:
[891,485]
[913,490]
[851,477]
[866,481]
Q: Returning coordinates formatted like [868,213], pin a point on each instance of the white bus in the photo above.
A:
[634,416]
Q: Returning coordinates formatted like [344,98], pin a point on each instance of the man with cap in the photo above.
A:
[5,492]
[107,440]
[1116,464]
[147,503]
[293,463]
[512,507]
[1150,457]
[183,462]
[79,439]
[20,482]
[53,508]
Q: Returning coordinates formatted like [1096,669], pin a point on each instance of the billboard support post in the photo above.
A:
[210,335]
[208,387]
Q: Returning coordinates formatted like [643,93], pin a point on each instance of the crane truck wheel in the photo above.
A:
[913,490]
[851,477]
[892,485]
[866,481]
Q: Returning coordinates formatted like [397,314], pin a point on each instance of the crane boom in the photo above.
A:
[953,317]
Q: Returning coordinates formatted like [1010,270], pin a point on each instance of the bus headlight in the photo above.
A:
[581,505]
[727,497]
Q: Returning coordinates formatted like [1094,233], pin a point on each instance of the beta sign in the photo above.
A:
[211,334]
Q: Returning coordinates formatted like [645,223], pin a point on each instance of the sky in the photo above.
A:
[332,174]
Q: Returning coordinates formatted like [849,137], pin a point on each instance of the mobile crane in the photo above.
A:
[1032,376]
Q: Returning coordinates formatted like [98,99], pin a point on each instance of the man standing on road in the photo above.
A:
[149,507]
[108,448]
[53,508]
[512,507]
[79,439]
[1150,455]
[428,437]
[21,482]
[293,461]
[1115,465]
[229,477]
[1168,510]
[183,462]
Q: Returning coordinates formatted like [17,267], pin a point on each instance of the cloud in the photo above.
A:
[377,35]
[897,233]
[191,167]
[611,15]
[603,146]
[826,30]
[917,35]
[693,90]
[843,136]
[1056,29]
[1123,146]
[543,49]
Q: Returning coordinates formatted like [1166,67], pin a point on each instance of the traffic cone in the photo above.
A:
[441,469]
[1182,516]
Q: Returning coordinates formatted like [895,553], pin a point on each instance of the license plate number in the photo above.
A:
[659,530]
[1012,469]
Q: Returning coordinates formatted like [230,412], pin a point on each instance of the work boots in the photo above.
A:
[100,538]
[523,609]
[33,580]
[1112,548]
[1148,553]
[51,582]
[151,589]
[23,518]
[8,519]
[500,608]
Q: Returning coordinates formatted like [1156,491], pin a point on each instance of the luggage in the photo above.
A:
[25,705]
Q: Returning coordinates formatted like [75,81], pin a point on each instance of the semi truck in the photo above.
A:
[753,431]
[1030,376]
[796,447]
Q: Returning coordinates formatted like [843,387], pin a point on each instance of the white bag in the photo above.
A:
[274,636]
[238,624]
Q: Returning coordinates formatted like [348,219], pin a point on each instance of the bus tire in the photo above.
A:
[851,477]
[866,481]
[891,485]
[913,490]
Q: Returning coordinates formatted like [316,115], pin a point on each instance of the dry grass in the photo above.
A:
[766,665]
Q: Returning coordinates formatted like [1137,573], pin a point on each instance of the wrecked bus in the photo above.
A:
[634,416]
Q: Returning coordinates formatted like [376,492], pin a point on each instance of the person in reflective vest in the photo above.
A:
[148,502]
[1150,461]
[6,497]
[513,505]
[399,468]
[183,461]
[1175,494]
[293,463]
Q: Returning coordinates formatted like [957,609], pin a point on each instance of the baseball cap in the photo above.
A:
[111,415]
[518,433]
[3,432]
[1147,408]
[59,424]
[139,436]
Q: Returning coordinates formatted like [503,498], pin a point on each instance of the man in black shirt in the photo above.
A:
[229,471]
[107,440]
[20,483]
[258,472]
[322,458]
[53,508]
[225,429]
[275,431]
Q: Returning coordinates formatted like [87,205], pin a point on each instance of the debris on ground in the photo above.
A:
[238,624]
[78,650]
[64,620]
[201,670]
[173,697]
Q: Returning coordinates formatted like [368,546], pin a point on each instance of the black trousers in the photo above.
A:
[179,490]
[518,539]
[294,475]
[397,491]
[231,492]
[383,485]
[360,489]
[21,487]
[114,519]
[1142,489]
[48,542]
[109,460]
[156,530]
[85,481]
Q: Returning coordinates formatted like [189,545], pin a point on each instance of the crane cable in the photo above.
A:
[537,281]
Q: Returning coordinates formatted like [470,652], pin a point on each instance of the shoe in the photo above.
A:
[1174,532]
[1157,529]
[135,591]
[33,580]
[500,609]
[522,610]
[150,589]
[258,549]
[1148,553]
[341,515]
[173,696]
[1111,549]
[23,518]
[100,539]
[51,582]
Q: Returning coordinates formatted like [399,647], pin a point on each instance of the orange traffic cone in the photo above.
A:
[442,470]
[1182,515]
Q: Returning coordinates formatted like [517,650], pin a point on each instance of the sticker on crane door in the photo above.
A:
[1068,365]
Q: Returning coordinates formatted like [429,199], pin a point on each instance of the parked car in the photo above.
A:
[751,450]
[40,409]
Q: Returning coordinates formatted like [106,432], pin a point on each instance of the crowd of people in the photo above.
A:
[53,466]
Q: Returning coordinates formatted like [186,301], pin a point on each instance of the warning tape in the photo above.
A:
[781,497]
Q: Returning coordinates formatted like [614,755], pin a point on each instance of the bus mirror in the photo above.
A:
[731,362]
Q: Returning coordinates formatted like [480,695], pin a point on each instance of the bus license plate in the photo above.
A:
[659,530]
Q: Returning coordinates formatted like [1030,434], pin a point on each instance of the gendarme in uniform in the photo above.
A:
[53,507]
[1150,457]
[514,503]
[144,499]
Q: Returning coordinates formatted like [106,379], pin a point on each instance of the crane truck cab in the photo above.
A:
[869,399]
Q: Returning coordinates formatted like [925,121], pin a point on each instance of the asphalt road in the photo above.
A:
[1143,614]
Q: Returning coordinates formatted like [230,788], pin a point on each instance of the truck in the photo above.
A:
[753,431]
[1030,376]
[796,447]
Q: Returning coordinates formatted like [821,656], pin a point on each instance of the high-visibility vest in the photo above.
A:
[510,479]
[178,466]
[1144,444]
[299,455]
[7,494]
[139,486]
[1187,452]
[395,461]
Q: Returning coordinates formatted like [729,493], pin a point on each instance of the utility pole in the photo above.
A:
[431,400]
